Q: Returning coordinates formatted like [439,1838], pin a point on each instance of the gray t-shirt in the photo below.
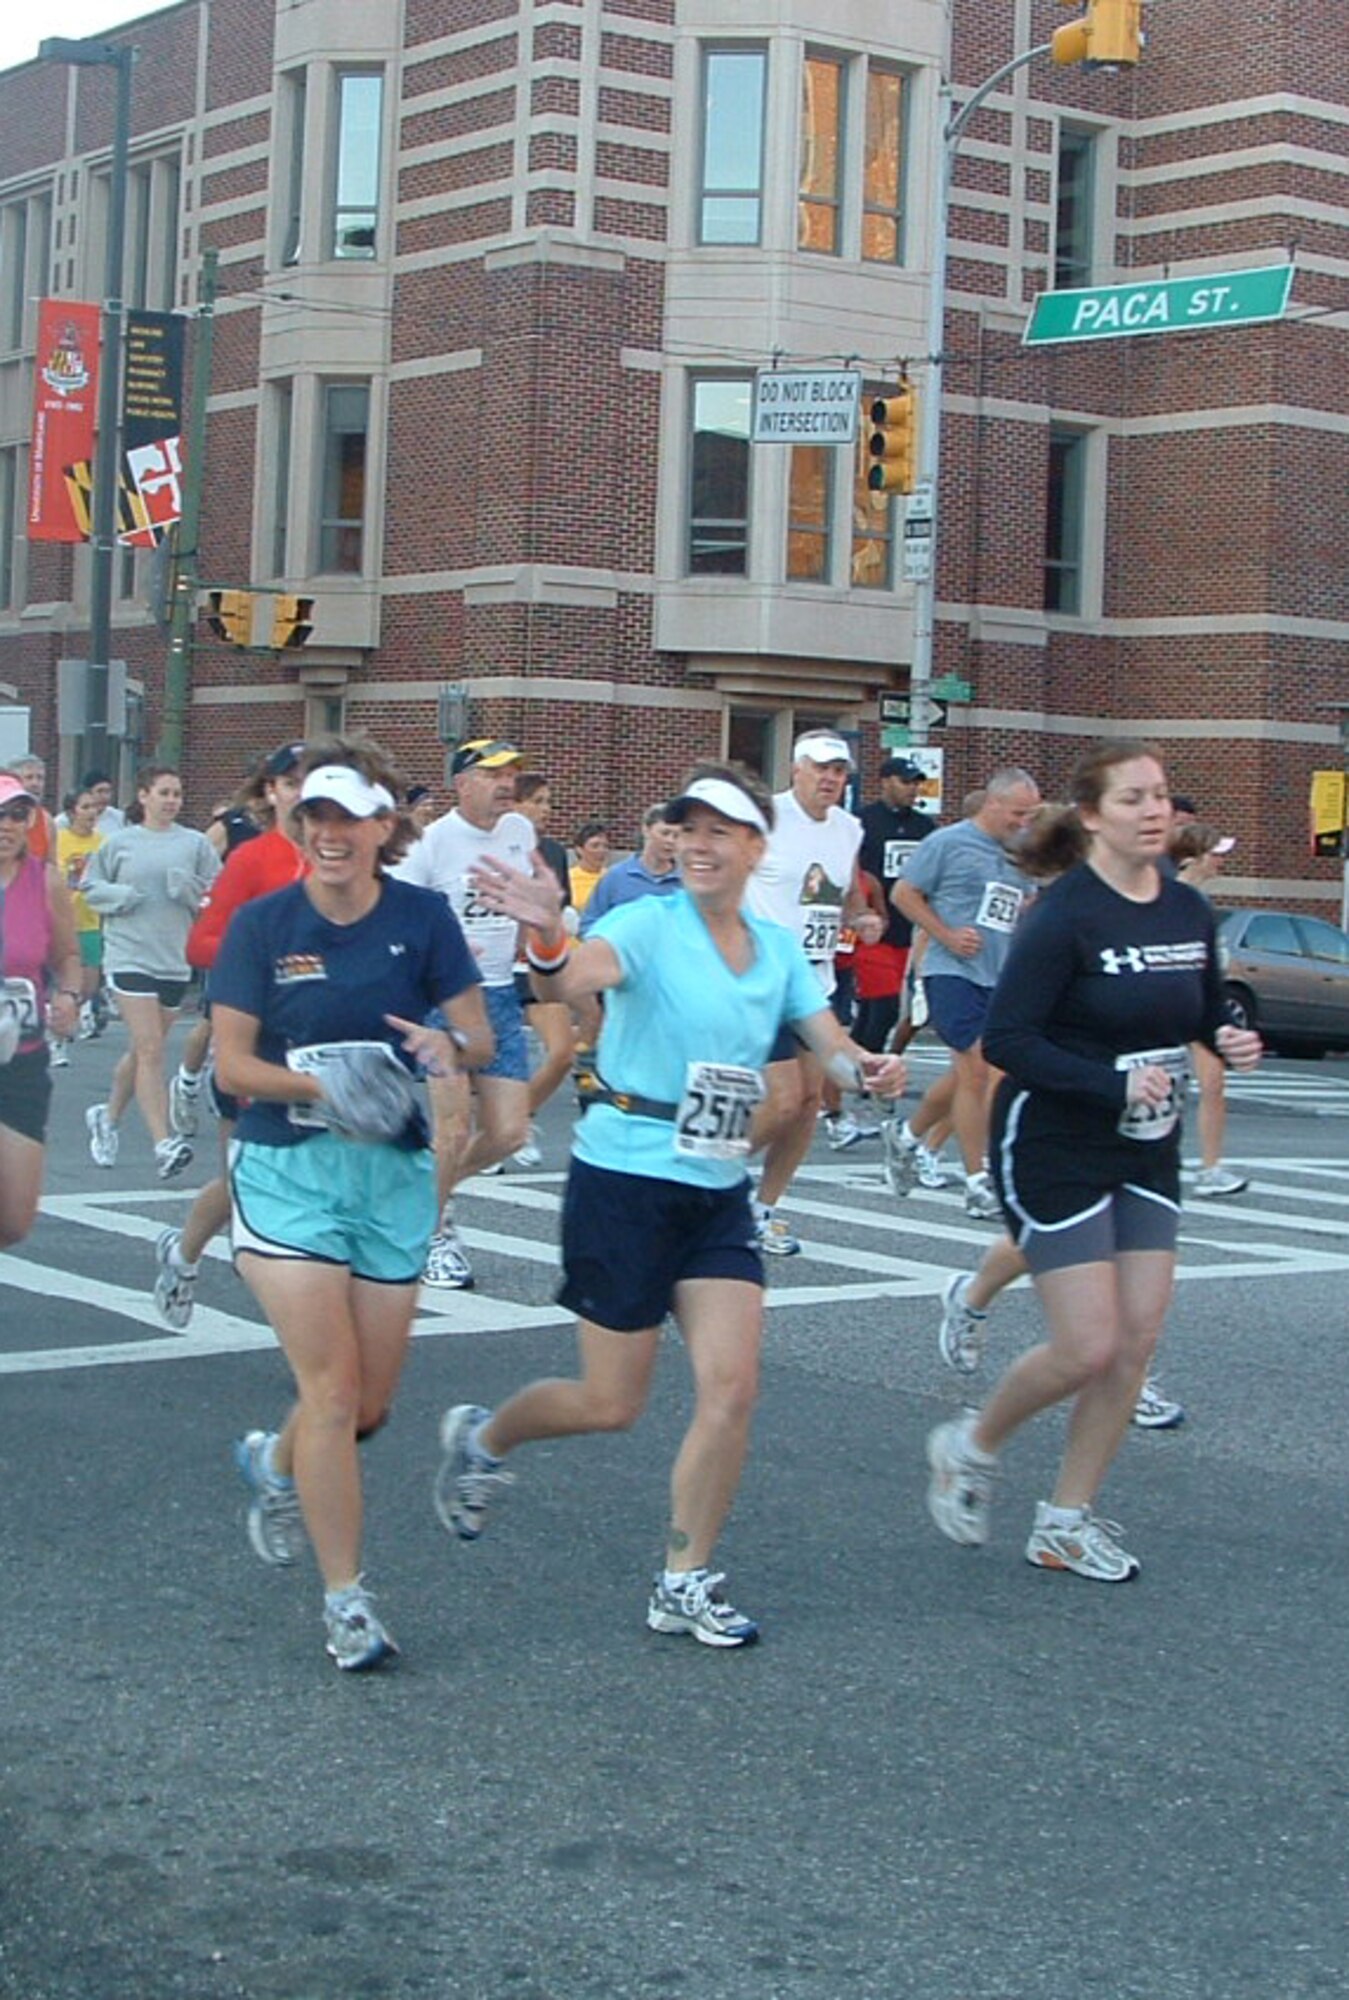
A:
[148,886]
[969,878]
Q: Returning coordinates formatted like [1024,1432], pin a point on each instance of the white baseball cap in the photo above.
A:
[821,746]
[344,785]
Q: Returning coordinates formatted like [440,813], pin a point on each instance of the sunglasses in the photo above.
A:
[15,812]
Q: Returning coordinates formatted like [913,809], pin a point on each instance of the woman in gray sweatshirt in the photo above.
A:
[147,882]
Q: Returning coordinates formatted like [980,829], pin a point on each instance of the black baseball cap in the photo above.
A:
[903,767]
[283,761]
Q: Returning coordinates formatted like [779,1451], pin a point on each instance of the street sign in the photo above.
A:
[805,406]
[894,708]
[898,708]
[916,559]
[951,687]
[1166,305]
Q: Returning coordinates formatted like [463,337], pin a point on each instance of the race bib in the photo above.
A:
[1154,1121]
[22,997]
[895,854]
[312,1060]
[713,1119]
[1000,907]
[819,938]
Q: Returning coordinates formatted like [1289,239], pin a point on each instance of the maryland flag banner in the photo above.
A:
[150,494]
[65,401]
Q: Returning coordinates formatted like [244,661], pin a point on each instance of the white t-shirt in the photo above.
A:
[804,877]
[442,858]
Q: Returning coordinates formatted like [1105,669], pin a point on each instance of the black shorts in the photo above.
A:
[26,1094]
[1073,1190]
[145,986]
[628,1240]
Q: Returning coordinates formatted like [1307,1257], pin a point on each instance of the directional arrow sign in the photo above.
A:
[1168,305]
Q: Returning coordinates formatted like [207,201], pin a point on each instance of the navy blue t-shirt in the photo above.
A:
[307,980]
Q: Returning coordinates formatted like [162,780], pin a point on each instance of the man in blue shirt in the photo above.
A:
[652,871]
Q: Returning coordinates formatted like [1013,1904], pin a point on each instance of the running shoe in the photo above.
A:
[275,1524]
[103,1139]
[841,1133]
[1155,1412]
[171,1156]
[10,1030]
[529,1155]
[900,1157]
[773,1237]
[697,1607]
[1086,1545]
[1211,1182]
[88,1022]
[981,1202]
[58,1054]
[447,1267]
[931,1172]
[184,1102]
[356,1639]
[960,1491]
[468,1480]
[175,1286]
[960,1338]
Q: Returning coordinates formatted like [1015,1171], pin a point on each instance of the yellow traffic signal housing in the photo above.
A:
[229,614]
[292,622]
[893,442]
[1108,36]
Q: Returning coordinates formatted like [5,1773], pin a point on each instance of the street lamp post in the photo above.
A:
[118,57]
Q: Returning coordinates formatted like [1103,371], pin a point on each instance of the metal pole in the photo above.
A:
[929,454]
[178,668]
[107,452]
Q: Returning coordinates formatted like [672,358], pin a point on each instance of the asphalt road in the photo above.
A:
[942,1774]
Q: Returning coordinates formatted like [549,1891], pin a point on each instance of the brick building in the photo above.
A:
[495,276]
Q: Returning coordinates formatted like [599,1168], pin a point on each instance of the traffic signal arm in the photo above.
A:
[1108,36]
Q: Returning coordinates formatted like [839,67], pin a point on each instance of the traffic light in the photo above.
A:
[229,614]
[1108,36]
[893,441]
[292,622]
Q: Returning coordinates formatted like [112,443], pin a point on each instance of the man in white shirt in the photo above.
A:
[483,821]
[808,882]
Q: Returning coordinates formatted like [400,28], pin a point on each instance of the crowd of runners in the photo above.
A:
[746,976]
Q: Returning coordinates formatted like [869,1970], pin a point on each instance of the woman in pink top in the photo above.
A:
[39,986]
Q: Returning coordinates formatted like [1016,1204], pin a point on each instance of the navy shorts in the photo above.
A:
[1083,1195]
[26,1094]
[957,1009]
[628,1241]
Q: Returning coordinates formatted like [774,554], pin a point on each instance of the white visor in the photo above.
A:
[1225,845]
[820,748]
[723,797]
[346,788]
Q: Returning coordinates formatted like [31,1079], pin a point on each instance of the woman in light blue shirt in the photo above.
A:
[657,1216]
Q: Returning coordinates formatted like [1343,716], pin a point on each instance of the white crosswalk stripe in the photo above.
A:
[860,1244]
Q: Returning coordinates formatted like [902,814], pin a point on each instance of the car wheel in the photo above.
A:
[1241,1008]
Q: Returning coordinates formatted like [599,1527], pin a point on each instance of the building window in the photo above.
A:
[360,96]
[1064,518]
[1073,216]
[750,736]
[14,272]
[873,515]
[719,478]
[293,105]
[810,505]
[9,526]
[346,423]
[883,166]
[818,210]
[731,195]
[281,400]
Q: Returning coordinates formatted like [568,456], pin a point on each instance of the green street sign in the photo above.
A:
[1167,305]
[950,687]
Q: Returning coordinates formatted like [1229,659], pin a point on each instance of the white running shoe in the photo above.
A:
[841,1133]
[88,1022]
[103,1137]
[697,1607]
[275,1524]
[900,1157]
[981,1201]
[773,1237]
[960,1338]
[184,1102]
[529,1155]
[447,1266]
[1155,1412]
[1085,1545]
[1211,1182]
[58,1053]
[175,1286]
[356,1639]
[931,1172]
[171,1156]
[960,1491]
[467,1481]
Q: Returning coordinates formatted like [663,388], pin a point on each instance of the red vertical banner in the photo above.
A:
[65,401]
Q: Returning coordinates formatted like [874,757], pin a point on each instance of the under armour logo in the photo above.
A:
[1128,960]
